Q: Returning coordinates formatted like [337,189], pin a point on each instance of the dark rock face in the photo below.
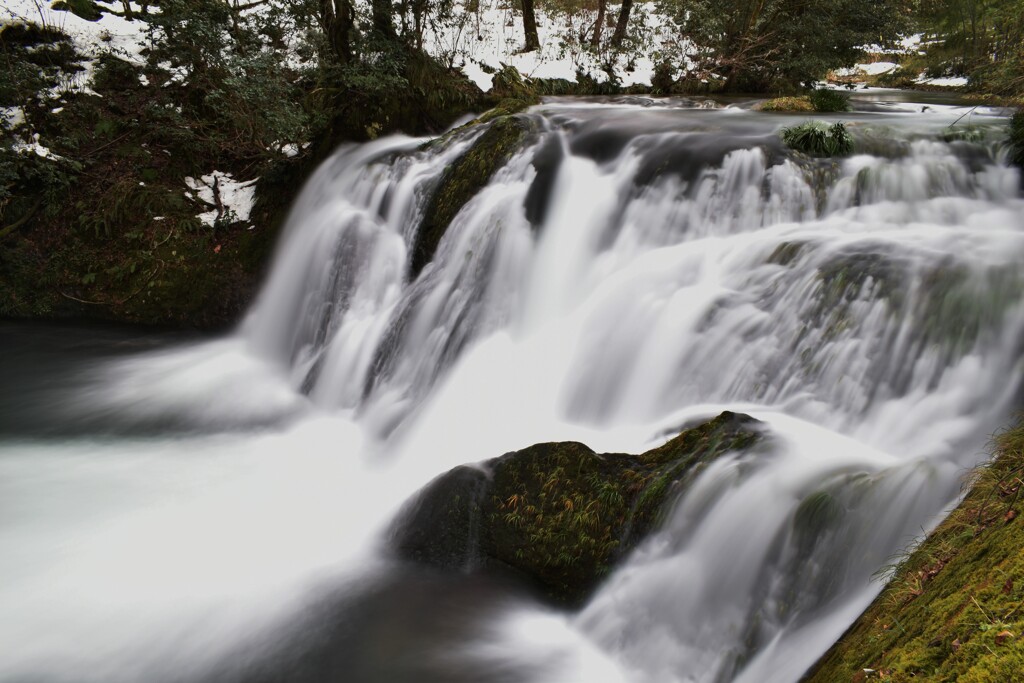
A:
[559,515]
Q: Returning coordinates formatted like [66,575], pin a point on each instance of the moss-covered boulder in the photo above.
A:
[1017,138]
[510,93]
[464,179]
[559,515]
[801,103]
[952,610]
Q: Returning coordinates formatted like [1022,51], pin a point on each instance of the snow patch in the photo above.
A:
[873,69]
[12,116]
[33,146]
[949,82]
[230,199]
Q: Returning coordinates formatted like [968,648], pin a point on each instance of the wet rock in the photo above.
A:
[558,515]
[464,179]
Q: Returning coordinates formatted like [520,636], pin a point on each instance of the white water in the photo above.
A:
[869,314]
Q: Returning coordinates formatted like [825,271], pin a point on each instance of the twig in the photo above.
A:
[152,275]
[83,301]
[969,111]
[4,232]
[108,144]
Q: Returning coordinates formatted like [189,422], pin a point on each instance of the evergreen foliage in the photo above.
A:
[778,45]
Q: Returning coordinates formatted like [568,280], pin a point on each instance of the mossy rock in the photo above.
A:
[554,86]
[559,515]
[786,253]
[786,104]
[952,609]
[464,179]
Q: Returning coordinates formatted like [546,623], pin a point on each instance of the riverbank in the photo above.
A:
[951,610]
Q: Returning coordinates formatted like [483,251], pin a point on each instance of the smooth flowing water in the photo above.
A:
[175,510]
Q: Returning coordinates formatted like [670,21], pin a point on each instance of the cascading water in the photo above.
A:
[628,269]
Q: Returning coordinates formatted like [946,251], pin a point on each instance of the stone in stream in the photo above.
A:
[558,515]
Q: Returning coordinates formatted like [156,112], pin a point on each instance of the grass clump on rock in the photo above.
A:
[819,139]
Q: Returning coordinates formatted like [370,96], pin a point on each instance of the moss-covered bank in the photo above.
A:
[559,515]
[1017,138]
[954,608]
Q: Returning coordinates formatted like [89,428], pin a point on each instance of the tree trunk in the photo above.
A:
[383,22]
[622,23]
[595,42]
[530,27]
[337,19]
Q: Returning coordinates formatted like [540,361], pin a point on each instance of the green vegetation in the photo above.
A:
[980,39]
[558,514]
[95,216]
[778,45]
[1017,138]
[952,608]
[819,139]
[827,100]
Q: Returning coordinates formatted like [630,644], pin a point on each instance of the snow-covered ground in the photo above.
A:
[493,35]
[947,82]
[110,34]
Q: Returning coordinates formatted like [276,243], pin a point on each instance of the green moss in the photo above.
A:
[968,133]
[566,514]
[842,281]
[786,253]
[464,179]
[952,609]
[958,305]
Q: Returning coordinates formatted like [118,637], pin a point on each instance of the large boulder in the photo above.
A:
[558,515]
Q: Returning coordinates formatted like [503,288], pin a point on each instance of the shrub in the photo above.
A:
[819,139]
[826,100]
[664,77]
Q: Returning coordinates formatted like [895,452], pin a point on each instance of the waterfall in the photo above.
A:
[628,269]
